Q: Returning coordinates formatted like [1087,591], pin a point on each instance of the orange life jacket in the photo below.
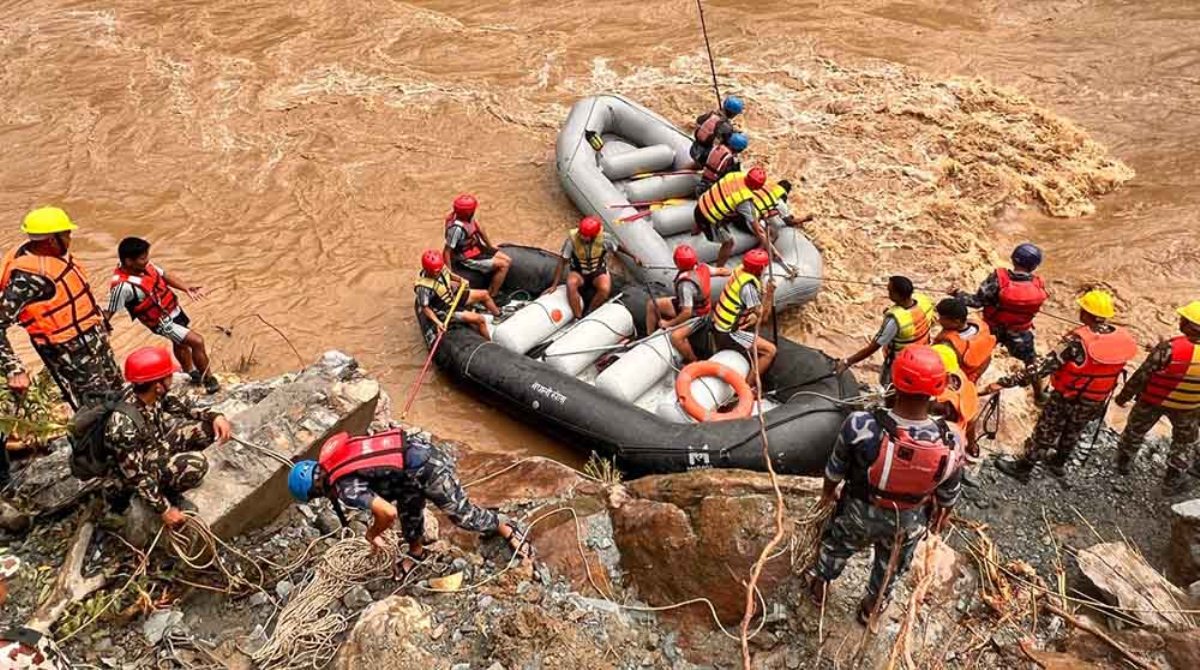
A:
[964,400]
[381,450]
[1020,301]
[975,354]
[69,313]
[1105,356]
[720,161]
[473,245]
[160,301]
[1177,386]
[701,277]
[907,471]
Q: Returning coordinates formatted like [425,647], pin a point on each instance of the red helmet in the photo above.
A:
[756,260]
[919,370]
[756,178]
[149,364]
[431,262]
[590,226]
[465,204]
[685,257]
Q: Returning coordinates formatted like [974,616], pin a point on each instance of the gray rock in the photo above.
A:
[284,589]
[157,625]
[259,599]
[596,605]
[357,598]
[484,602]
[306,511]
[461,666]
[496,666]
[1183,558]
[13,520]
[327,522]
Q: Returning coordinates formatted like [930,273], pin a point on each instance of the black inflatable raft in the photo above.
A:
[801,428]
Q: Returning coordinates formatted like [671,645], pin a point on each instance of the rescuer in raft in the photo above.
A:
[739,312]
[1085,368]
[45,290]
[715,127]
[1167,384]
[894,463]
[436,288]
[971,341]
[586,251]
[906,323]
[144,290]
[722,160]
[693,286]
[391,475]
[729,201]
[468,244]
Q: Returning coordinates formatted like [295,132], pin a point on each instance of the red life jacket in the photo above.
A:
[1177,386]
[381,450]
[708,129]
[907,471]
[1020,301]
[473,246]
[1105,356]
[721,160]
[701,277]
[160,301]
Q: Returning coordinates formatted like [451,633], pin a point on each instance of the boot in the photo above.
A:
[211,385]
[195,377]
[1019,469]
[1124,462]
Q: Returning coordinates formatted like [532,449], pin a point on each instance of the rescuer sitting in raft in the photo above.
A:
[468,244]
[1085,369]
[894,463]
[586,250]
[693,284]
[722,160]
[729,201]
[739,312]
[392,475]
[907,322]
[436,289]
[970,340]
[714,127]
[144,290]
[1167,384]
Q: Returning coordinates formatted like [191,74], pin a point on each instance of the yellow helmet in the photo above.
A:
[1191,312]
[47,221]
[1098,303]
[949,357]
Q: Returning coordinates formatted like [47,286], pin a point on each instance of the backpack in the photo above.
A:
[90,456]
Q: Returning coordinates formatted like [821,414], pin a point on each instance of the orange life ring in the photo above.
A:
[701,369]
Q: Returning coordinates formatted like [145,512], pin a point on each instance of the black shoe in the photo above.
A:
[1017,469]
[867,607]
[195,377]
[1124,462]
[211,385]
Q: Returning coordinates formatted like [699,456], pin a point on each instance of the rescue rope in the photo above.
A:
[712,66]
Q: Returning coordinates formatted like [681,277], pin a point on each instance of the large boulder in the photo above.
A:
[392,633]
[1183,560]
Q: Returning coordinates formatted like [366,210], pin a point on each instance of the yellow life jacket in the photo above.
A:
[722,198]
[914,322]
[589,254]
[767,198]
[728,310]
[441,286]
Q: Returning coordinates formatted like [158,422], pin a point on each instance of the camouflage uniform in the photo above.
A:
[429,475]
[1185,425]
[28,649]
[163,458]
[84,368]
[1019,344]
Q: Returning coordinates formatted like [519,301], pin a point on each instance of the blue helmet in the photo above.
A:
[1027,255]
[738,141]
[300,480]
[732,105]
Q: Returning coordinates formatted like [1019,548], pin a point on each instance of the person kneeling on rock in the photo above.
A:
[392,475]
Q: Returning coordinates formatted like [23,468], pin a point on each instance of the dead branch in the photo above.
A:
[71,586]
[1100,635]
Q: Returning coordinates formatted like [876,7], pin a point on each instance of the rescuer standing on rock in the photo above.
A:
[47,292]
[907,322]
[894,462]
[1167,384]
[1085,369]
[392,475]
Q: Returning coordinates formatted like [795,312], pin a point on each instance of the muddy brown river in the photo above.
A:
[296,157]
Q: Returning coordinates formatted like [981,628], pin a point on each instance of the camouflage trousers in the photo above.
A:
[1059,427]
[176,460]
[28,649]
[84,368]
[1185,432]
[859,524]
[436,480]
[1019,344]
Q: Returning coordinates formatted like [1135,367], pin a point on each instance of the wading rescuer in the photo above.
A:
[729,201]
[468,245]
[144,290]
[722,160]
[715,127]
[47,292]
[1010,300]
[902,474]
[436,288]
[1167,384]
[392,475]
[971,341]
[153,437]
[907,322]
[1085,366]
[693,284]
[586,250]
[739,310]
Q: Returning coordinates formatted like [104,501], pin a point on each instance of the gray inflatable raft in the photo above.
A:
[645,159]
